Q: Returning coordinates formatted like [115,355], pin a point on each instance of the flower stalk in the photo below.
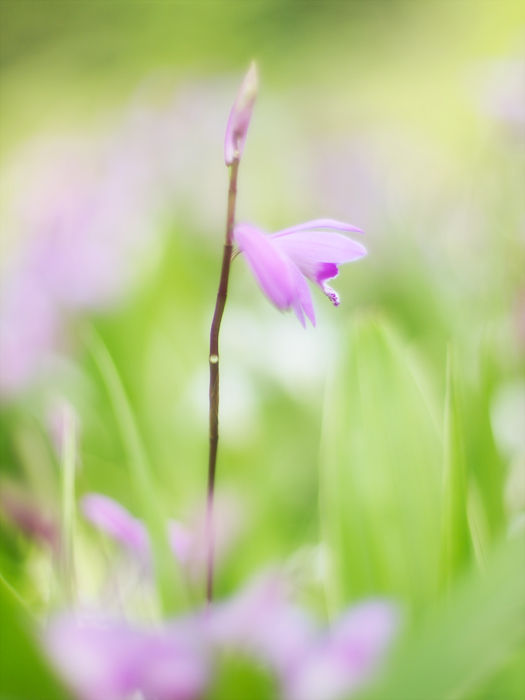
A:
[214,373]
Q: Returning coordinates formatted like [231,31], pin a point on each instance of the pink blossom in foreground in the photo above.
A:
[86,210]
[29,331]
[188,543]
[107,659]
[117,522]
[343,660]
[240,116]
[261,622]
[281,262]
[20,507]
[309,665]
[104,659]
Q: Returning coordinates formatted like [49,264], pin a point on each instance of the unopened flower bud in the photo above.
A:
[240,117]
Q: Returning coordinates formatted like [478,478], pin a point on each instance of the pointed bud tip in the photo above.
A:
[250,84]
[240,116]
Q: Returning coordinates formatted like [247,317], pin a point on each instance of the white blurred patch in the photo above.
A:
[508,418]
[275,345]
[515,487]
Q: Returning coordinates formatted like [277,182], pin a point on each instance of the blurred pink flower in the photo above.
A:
[62,417]
[503,88]
[106,659]
[188,543]
[87,209]
[103,659]
[29,330]
[309,665]
[261,622]
[117,522]
[240,116]
[28,514]
[344,659]
[281,262]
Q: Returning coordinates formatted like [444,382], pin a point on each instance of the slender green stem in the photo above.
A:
[68,467]
[214,374]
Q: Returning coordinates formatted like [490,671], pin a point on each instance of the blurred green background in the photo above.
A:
[381,453]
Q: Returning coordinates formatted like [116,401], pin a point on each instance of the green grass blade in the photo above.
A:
[380,479]
[167,573]
[24,674]
[67,489]
[456,541]
[468,638]
[485,465]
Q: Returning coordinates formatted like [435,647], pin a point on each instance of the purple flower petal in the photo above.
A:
[181,540]
[281,261]
[269,267]
[310,247]
[110,660]
[302,300]
[260,621]
[113,519]
[240,116]
[323,272]
[29,328]
[317,254]
[344,660]
[27,513]
[320,224]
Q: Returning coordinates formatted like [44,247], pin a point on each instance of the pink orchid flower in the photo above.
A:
[309,663]
[111,659]
[104,658]
[117,522]
[344,659]
[187,542]
[281,262]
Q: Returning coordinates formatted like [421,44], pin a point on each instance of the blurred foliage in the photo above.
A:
[395,481]
[18,649]
[381,459]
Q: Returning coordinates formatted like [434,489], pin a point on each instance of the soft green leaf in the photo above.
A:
[485,466]
[239,678]
[167,572]
[380,474]
[24,674]
[456,540]
[67,478]
[467,638]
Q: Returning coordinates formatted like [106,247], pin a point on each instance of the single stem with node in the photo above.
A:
[214,374]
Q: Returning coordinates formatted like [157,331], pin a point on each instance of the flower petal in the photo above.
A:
[113,519]
[268,265]
[309,247]
[240,116]
[319,224]
[302,300]
[181,540]
[317,254]
[346,658]
[108,659]
[261,622]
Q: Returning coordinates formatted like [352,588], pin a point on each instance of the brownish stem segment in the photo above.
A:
[214,375]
